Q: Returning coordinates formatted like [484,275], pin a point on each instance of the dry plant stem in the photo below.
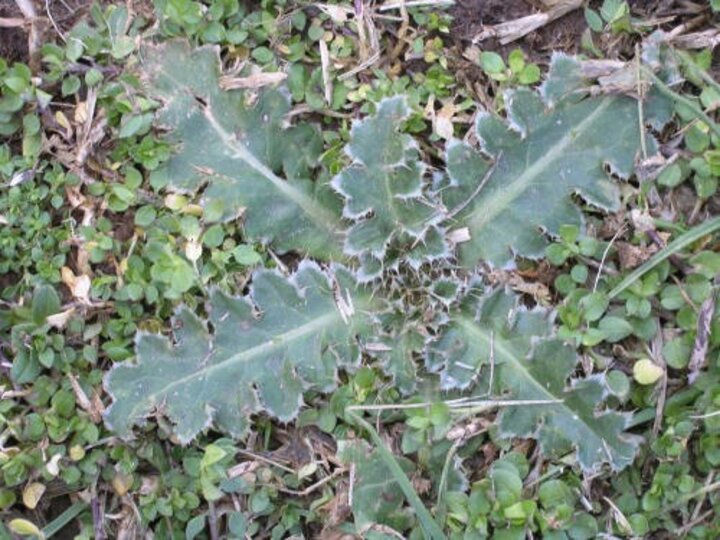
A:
[52,21]
[513,30]
[669,92]
[27,8]
[455,211]
[212,521]
[462,403]
[698,505]
[620,518]
[258,457]
[702,492]
[308,490]
[416,3]
[698,40]
[685,529]
[617,234]
[11,22]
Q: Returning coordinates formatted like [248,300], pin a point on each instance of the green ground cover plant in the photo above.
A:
[250,291]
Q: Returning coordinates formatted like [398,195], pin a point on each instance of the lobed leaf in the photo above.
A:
[232,144]
[255,353]
[493,339]
[547,152]
[385,195]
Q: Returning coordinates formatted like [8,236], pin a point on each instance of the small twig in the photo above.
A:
[459,208]
[308,490]
[492,363]
[620,518]
[698,505]
[97,517]
[679,501]
[52,21]
[258,457]
[669,92]
[212,521]
[11,22]
[416,3]
[704,416]
[443,477]
[620,231]
[682,531]
[462,403]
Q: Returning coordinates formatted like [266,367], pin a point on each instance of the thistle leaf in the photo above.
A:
[542,157]
[385,195]
[241,362]
[494,334]
[234,142]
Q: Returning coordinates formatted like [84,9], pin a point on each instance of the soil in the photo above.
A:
[14,41]
[563,34]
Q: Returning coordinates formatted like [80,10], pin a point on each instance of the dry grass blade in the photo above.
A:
[699,359]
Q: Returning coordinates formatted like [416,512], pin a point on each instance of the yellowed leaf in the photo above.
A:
[122,483]
[32,494]
[77,452]
[61,119]
[443,121]
[25,528]
[81,113]
[646,371]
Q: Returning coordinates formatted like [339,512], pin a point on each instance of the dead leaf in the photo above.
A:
[32,494]
[61,119]
[631,256]
[81,111]
[338,14]
[122,483]
[443,121]
[79,285]
[59,320]
[94,407]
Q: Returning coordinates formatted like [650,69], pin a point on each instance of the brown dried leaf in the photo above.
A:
[79,285]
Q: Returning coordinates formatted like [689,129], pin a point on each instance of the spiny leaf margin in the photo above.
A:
[494,344]
[255,353]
